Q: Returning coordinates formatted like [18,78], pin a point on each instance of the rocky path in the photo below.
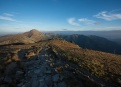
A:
[45,68]
[42,72]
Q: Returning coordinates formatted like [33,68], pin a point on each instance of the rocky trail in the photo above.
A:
[45,69]
[42,72]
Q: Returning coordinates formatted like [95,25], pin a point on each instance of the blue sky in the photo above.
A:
[58,15]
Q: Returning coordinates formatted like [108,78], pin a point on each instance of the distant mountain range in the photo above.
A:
[114,35]
[85,41]
[94,43]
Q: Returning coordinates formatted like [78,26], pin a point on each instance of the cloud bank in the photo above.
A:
[80,21]
[7,17]
[86,21]
[73,22]
[108,16]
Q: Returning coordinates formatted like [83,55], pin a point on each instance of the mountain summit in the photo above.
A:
[34,31]
[34,34]
[31,36]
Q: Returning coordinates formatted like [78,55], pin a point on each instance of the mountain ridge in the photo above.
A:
[113,35]
[31,36]
[91,42]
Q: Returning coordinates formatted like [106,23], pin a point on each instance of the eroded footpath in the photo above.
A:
[42,71]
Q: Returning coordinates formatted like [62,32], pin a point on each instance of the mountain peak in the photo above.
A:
[31,36]
[34,34]
[34,30]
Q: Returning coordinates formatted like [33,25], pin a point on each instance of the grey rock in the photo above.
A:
[41,83]
[48,72]
[35,82]
[20,84]
[30,68]
[19,73]
[62,84]
[55,85]
[30,63]
[37,71]
[40,74]
[61,78]
[23,86]
[58,63]
[7,79]
[51,64]
[55,77]
[48,81]
[10,68]
[38,67]
[43,69]
[46,85]
[28,84]
[34,76]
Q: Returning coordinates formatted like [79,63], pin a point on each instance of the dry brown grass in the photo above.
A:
[101,64]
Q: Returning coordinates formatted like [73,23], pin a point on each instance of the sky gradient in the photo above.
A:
[59,15]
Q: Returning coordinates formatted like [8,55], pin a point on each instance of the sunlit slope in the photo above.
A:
[100,64]
[25,38]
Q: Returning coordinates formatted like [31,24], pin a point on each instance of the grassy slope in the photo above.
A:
[102,65]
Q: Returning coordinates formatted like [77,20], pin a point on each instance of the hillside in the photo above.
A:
[28,37]
[90,42]
[103,65]
[57,63]
[95,43]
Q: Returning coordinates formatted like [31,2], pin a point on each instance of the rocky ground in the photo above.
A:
[42,69]
[40,66]
[41,72]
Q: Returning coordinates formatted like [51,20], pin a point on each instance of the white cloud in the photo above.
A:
[82,21]
[72,22]
[7,18]
[87,21]
[109,16]
[7,14]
